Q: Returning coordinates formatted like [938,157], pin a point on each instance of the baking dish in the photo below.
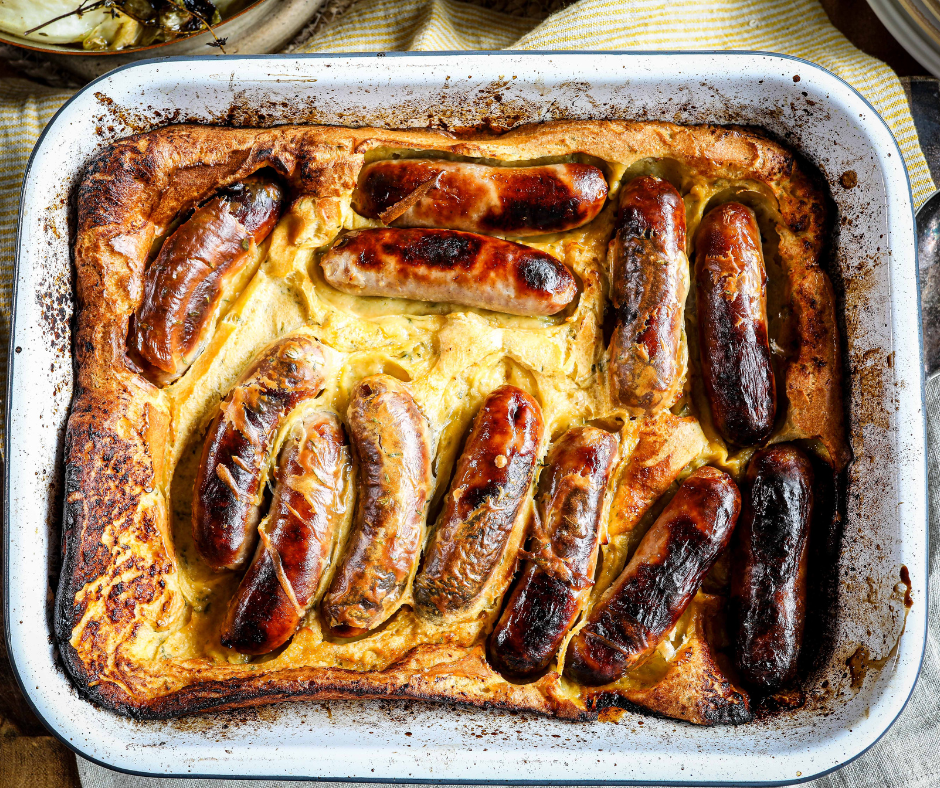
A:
[873,264]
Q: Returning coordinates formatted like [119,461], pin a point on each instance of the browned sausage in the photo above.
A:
[227,495]
[731,298]
[445,265]
[650,275]
[768,583]
[557,580]
[477,198]
[645,602]
[196,268]
[391,442]
[296,538]
[483,508]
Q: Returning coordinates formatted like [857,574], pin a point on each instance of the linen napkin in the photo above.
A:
[793,27]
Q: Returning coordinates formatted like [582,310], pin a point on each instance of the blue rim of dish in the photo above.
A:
[461,53]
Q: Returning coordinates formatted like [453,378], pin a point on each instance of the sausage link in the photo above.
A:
[227,494]
[483,507]
[771,550]
[664,574]
[557,580]
[390,438]
[307,510]
[197,265]
[445,265]
[474,197]
[731,285]
[650,275]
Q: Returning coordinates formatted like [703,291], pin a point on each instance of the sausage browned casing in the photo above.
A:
[768,582]
[390,438]
[645,602]
[446,265]
[557,580]
[650,275]
[227,495]
[483,506]
[478,198]
[185,285]
[296,538]
[731,299]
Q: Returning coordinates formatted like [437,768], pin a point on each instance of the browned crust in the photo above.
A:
[428,673]
[115,533]
[665,445]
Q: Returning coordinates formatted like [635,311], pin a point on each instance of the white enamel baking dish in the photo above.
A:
[885,528]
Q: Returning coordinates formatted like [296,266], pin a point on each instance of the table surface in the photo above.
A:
[858,23]
[30,758]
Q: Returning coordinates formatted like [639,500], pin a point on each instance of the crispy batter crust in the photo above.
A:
[119,556]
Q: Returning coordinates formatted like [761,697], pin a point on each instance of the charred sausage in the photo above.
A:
[557,579]
[731,287]
[227,494]
[768,582]
[645,602]
[483,508]
[197,266]
[390,438]
[650,275]
[445,265]
[296,538]
[477,198]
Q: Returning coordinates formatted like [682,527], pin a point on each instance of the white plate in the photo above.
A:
[916,26]
[874,253]
[265,26]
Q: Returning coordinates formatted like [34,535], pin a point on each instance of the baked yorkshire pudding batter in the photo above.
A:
[355,419]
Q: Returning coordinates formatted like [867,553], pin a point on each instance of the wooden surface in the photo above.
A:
[30,758]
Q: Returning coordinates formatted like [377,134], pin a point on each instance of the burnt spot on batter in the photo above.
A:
[732,708]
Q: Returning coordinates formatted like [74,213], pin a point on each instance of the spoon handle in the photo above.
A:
[928,264]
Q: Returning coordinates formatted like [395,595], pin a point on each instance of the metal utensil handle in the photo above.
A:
[928,264]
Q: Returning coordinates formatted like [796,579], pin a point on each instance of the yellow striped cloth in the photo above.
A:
[793,27]
[25,109]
